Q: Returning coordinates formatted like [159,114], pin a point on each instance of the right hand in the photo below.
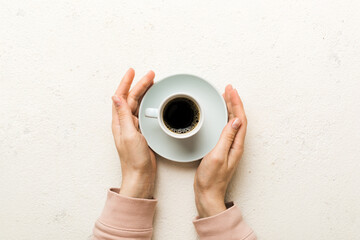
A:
[217,167]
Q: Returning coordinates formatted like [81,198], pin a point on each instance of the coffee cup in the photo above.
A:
[179,115]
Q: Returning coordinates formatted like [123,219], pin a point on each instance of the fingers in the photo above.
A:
[125,84]
[236,104]
[227,94]
[227,137]
[125,117]
[239,112]
[115,117]
[231,142]
[237,147]
[139,90]
[142,86]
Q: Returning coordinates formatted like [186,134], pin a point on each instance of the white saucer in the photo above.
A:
[197,146]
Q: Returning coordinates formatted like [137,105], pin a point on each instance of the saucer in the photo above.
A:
[214,113]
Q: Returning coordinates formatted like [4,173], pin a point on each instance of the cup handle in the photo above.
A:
[151,112]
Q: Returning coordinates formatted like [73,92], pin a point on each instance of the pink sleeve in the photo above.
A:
[228,225]
[125,218]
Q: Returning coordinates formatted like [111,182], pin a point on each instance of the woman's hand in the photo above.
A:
[138,162]
[217,167]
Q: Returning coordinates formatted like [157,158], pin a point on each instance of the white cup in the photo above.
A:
[158,113]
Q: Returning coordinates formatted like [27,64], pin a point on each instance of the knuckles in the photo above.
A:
[129,138]
[217,159]
[230,136]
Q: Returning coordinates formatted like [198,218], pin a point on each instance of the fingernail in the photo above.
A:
[116,100]
[236,124]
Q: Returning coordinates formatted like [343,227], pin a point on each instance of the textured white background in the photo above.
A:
[296,65]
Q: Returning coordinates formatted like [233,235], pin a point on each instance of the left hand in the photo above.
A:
[138,162]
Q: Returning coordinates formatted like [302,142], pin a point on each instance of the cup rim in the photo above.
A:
[183,135]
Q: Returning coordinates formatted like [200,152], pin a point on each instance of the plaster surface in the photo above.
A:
[296,65]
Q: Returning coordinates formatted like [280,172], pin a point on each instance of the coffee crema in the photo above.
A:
[181,115]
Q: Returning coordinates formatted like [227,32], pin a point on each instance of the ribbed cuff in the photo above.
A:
[228,224]
[124,212]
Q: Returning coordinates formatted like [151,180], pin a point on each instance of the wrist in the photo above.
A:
[138,186]
[209,206]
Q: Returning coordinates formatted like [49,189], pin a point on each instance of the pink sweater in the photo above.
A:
[132,218]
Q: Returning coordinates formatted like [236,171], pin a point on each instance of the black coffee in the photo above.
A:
[181,115]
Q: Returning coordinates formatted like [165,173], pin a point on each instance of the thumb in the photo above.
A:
[124,114]
[228,135]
